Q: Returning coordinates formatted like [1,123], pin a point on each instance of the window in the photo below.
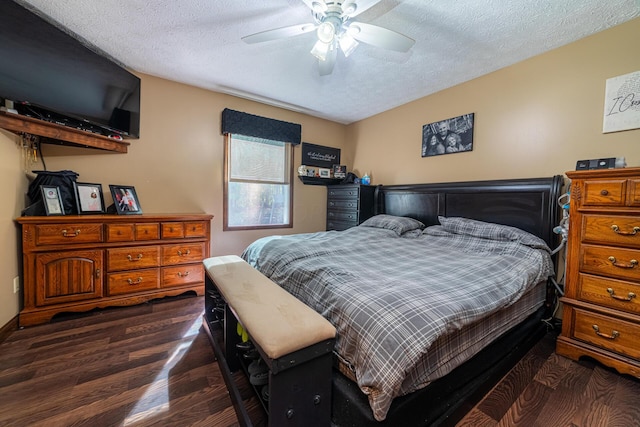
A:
[258,188]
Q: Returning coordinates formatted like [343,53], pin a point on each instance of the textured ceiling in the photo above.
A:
[198,42]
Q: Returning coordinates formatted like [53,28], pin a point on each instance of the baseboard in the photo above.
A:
[8,329]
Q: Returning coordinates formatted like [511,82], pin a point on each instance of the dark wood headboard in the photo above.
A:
[529,204]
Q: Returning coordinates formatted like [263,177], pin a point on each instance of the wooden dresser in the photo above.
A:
[80,262]
[601,316]
[349,205]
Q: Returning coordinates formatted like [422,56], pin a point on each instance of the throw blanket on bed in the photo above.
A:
[391,291]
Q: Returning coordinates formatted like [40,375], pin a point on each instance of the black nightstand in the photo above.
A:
[349,205]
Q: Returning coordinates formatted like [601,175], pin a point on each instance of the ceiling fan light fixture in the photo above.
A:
[326,32]
[347,44]
[320,50]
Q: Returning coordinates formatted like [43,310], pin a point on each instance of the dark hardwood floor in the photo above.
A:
[152,365]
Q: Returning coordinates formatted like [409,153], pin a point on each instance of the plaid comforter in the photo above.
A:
[391,295]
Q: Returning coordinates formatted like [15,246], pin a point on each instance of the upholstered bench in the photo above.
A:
[293,340]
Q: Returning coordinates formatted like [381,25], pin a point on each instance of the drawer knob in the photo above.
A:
[187,252]
[616,230]
[631,264]
[604,192]
[629,296]
[138,258]
[185,274]
[66,233]
[134,282]
[613,336]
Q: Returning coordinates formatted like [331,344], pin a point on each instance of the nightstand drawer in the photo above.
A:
[605,192]
[342,204]
[68,234]
[342,216]
[614,230]
[610,293]
[610,262]
[133,281]
[610,333]
[133,258]
[340,225]
[350,192]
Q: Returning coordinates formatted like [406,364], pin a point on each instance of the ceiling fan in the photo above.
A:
[336,30]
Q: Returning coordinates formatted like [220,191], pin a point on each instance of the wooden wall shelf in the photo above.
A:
[52,133]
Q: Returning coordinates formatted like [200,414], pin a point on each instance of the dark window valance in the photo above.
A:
[236,122]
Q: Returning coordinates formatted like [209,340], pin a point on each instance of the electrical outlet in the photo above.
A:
[16,284]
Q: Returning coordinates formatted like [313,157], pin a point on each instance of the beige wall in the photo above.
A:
[13,186]
[535,118]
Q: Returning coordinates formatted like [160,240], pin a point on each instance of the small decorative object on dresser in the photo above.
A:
[601,316]
[81,262]
[349,205]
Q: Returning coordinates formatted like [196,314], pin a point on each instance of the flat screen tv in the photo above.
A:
[50,75]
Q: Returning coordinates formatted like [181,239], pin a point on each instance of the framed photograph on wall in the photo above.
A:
[89,198]
[52,200]
[125,199]
[453,135]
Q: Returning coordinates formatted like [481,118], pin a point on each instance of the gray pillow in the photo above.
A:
[399,224]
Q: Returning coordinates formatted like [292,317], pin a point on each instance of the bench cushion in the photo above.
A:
[277,321]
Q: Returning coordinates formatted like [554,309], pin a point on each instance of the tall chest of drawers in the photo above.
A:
[349,205]
[601,316]
[81,262]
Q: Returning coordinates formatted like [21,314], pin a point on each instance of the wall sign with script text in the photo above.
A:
[319,155]
[622,103]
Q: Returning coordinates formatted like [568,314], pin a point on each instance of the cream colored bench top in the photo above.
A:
[277,321]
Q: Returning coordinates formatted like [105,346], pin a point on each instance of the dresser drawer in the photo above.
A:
[133,258]
[610,262]
[133,281]
[342,216]
[605,192]
[172,230]
[617,294]
[120,233]
[609,333]
[195,229]
[182,275]
[615,230]
[68,234]
[150,231]
[182,254]
[343,193]
[340,225]
[343,204]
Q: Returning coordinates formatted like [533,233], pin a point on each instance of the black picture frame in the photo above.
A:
[51,200]
[448,136]
[89,198]
[125,200]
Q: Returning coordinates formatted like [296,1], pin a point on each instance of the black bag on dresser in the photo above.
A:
[64,180]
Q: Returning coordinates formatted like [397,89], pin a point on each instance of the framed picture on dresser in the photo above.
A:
[125,200]
[52,200]
[89,198]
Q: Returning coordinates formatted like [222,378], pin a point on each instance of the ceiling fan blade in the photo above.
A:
[279,33]
[360,6]
[326,66]
[380,37]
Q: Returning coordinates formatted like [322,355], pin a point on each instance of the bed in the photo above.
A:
[425,295]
